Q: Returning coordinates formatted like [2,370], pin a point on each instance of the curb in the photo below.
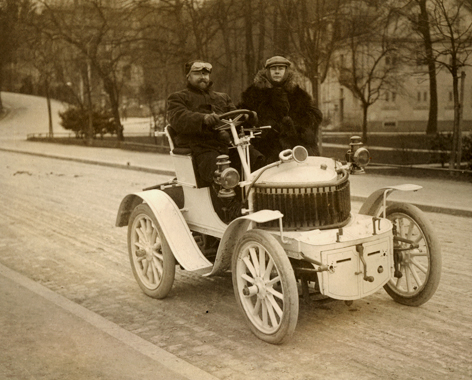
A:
[93,162]
[144,347]
[356,198]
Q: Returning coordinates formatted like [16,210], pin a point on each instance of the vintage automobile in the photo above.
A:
[294,234]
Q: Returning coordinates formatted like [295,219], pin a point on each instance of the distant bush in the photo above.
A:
[467,150]
[76,119]
[442,143]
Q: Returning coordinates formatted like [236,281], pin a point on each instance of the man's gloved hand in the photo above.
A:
[225,137]
[211,120]
[288,127]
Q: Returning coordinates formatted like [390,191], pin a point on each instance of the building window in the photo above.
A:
[422,99]
[390,124]
[390,96]
[422,96]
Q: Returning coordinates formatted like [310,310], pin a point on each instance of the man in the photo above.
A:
[193,114]
[281,103]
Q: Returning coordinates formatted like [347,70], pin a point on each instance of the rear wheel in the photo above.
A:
[152,261]
[265,286]
[417,256]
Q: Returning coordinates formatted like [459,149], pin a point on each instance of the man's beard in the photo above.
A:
[203,84]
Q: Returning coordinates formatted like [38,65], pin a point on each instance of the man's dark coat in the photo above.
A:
[186,110]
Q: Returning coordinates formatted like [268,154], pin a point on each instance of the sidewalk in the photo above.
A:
[437,195]
[46,336]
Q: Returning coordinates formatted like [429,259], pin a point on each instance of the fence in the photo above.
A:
[156,142]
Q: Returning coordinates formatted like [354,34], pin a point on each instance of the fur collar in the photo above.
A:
[261,81]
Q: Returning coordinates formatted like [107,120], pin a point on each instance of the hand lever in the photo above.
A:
[360,250]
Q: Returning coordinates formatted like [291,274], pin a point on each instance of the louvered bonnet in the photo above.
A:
[312,194]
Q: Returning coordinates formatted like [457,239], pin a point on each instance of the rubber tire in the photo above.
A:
[433,260]
[283,329]
[158,286]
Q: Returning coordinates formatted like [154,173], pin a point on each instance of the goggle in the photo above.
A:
[199,66]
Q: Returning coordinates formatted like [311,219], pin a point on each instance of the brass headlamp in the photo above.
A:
[226,177]
[357,155]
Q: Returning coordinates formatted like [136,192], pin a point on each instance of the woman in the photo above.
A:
[281,103]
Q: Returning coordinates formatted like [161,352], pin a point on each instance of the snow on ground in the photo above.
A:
[29,114]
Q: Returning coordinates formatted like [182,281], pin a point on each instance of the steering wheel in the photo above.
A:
[237,117]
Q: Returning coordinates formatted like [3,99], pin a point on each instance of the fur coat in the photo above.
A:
[288,109]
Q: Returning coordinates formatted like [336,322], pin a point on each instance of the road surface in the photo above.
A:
[57,228]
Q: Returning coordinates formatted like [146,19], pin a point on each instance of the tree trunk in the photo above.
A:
[455,129]
[459,123]
[1,86]
[365,108]
[282,41]
[262,32]
[112,95]
[225,33]
[432,126]
[315,88]
[249,56]
[48,101]
[89,131]
[424,29]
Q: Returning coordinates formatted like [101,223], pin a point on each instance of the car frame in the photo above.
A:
[296,234]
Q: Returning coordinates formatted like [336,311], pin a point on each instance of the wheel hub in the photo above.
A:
[148,253]
[258,288]
[261,286]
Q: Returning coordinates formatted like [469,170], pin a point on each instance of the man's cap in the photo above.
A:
[277,60]
[195,66]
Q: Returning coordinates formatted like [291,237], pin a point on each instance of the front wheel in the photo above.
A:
[417,256]
[265,286]
[152,261]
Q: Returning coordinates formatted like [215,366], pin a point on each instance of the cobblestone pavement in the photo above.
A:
[58,229]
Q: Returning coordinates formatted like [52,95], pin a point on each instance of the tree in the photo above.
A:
[103,36]
[43,59]
[417,12]
[254,16]
[41,53]
[423,26]
[369,59]
[314,32]
[11,14]
[250,53]
[452,33]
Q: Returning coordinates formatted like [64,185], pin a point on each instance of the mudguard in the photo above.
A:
[233,233]
[173,225]
[375,201]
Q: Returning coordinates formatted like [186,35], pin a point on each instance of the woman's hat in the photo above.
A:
[277,60]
